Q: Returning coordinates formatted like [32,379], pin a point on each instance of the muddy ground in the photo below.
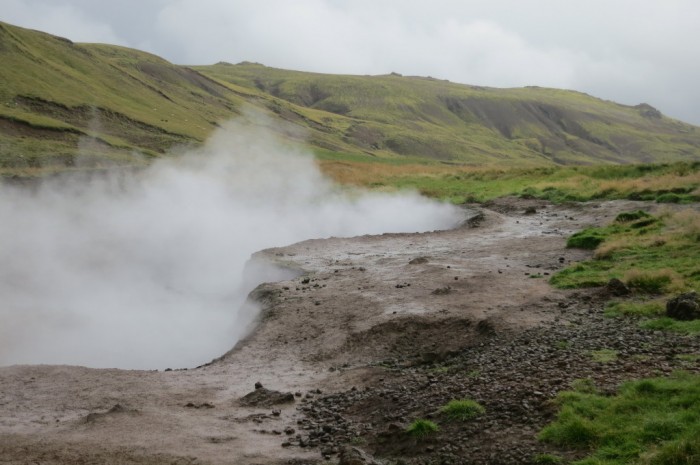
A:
[377,332]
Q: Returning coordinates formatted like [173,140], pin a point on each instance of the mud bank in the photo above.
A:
[356,340]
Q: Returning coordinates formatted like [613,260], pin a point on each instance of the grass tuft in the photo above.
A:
[587,239]
[422,428]
[462,410]
[653,281]
[626,217]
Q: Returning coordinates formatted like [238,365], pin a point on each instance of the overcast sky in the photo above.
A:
[629,51]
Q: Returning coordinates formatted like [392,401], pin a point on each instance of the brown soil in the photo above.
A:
[379,330]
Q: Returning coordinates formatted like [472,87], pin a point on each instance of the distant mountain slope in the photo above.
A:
[110,101]
[64,104]
[427,117]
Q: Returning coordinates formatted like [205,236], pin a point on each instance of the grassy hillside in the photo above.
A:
[66,106]
[440,120]
[106,103]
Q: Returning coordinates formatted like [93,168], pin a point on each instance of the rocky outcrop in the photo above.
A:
[263,397]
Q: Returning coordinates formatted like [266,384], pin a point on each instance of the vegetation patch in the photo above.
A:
[655,256]
[461,183]
[669,324]
[422,428]
[651,254]
[648,308]
[653,281]
[654,420]
[462,410]
[587,239]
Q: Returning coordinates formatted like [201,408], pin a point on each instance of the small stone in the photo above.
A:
[617,287]
[258,385]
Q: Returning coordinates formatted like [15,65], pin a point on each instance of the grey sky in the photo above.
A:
[621,50]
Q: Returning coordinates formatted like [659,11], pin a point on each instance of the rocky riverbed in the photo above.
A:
[376,332]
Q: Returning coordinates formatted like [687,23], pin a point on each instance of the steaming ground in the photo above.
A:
[146,270]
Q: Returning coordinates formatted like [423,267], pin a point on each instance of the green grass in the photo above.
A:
[669,324]
[654,420]
[584,386]
[422,429]
[546,459]
[460,184]
[654,255]
[651,314]
[462,410]
[652,308]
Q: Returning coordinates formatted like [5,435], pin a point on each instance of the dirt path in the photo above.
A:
[367,316]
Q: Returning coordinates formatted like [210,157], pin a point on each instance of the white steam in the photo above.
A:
[145,270]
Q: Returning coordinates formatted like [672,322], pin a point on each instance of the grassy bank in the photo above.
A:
[651,421]
[669,183]
[655,256]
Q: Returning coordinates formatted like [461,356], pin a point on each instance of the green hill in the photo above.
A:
[437,119]
[66,105]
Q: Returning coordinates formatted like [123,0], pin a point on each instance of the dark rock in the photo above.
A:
[530,210]
[684,307]
[617,287]
[202,405]
[263,397]
[418,261]
[356,456]
[258,385]
[442,291]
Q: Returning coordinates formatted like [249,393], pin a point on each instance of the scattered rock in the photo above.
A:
[202,405]
[263,397]
[530,210]
[442,291]
[684,307]
[356,456]
[617,287]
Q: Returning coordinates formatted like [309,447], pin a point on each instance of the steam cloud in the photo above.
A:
[145,270]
